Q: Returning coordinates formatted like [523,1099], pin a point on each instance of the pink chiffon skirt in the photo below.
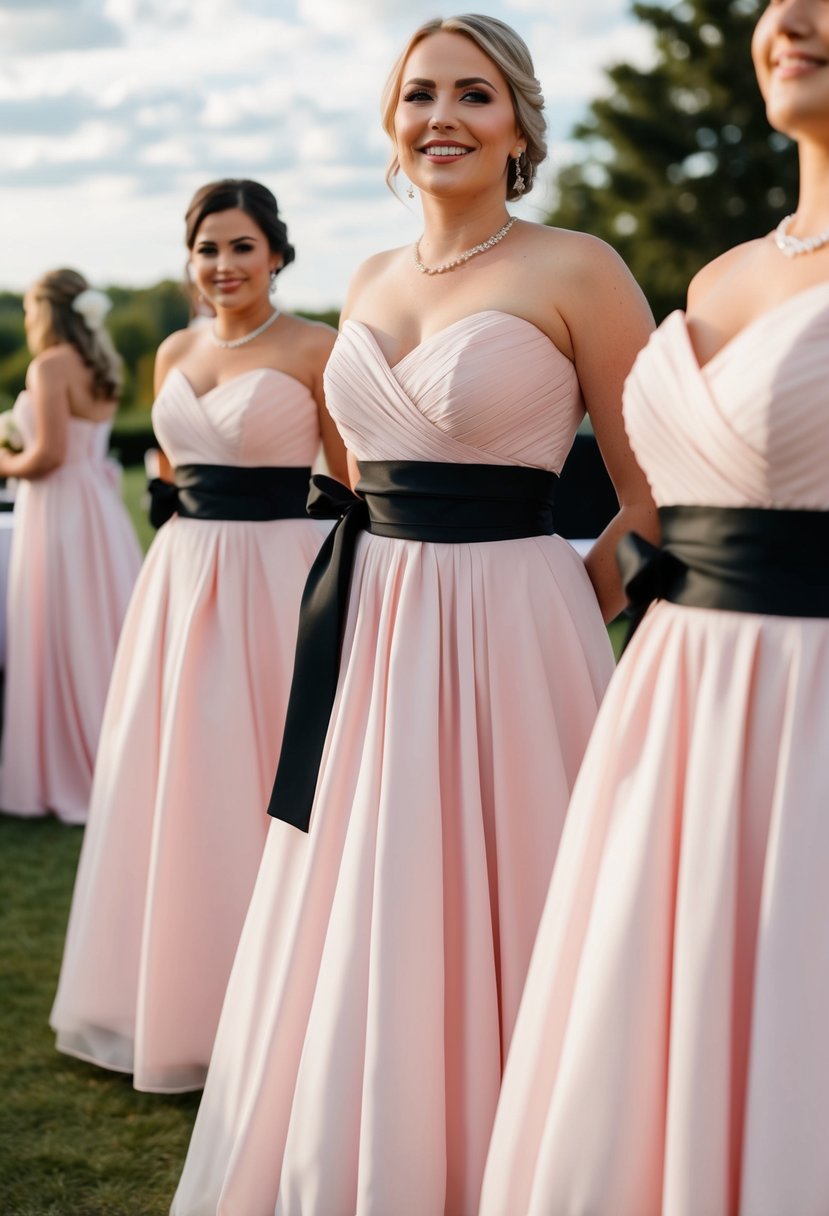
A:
[74,560]
[373,997]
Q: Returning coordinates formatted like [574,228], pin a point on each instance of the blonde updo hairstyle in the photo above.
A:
[56,321]
[500,43]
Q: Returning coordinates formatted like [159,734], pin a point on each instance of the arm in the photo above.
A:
[156,462]
[332,444]
[365,275]
[609,323]
[47,384]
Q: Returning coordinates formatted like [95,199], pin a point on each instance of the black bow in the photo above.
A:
[163,503]
[319,640]
[648,573]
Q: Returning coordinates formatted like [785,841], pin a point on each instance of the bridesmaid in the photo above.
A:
[74,554]
[359,1055]
[194,716]
[671,1052]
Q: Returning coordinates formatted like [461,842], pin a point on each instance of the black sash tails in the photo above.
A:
[410,500]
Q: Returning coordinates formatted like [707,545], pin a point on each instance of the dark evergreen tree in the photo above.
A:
[679,162]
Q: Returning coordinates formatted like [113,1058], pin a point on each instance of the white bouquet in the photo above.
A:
[10,436]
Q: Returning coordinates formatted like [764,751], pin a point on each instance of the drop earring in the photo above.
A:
[410,191]
[518,185]
[273,280]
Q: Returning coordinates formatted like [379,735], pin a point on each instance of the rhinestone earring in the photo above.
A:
[410,191]
[273,279]
[518,185]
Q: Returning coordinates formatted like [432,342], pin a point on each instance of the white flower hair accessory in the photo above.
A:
[93,306]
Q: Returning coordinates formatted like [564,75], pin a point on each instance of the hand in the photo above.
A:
[152,463]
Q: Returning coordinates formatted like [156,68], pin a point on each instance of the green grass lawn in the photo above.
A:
[74,1140]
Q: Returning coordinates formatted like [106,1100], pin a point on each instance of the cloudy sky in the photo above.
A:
[113,111]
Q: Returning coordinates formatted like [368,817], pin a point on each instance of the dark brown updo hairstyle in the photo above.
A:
[254,199]
[56,321]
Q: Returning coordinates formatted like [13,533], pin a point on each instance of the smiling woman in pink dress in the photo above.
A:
[373,997]
[74,556]
[670,1057]
[194,717]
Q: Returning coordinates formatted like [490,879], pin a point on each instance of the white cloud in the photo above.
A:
[110,120]
[38,28]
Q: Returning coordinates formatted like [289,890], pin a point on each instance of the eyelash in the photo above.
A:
[210,251]
[422,95]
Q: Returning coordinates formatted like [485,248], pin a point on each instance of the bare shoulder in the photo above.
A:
[173,349]
[369,275]
[581,271]
[587,281]
[176,345]
[313,337]
[716,273]
[55,363]
[55,369]
[574,251]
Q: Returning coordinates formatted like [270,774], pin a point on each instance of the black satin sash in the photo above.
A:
[219,491]
[738,559]
[412,500]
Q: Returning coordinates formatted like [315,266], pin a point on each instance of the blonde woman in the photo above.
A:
[372,1001]
[74,557]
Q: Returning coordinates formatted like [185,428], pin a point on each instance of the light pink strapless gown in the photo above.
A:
[671,1056]
[74,561]
[190,739]
[359,1054]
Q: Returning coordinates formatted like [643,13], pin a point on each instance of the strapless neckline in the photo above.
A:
[449,330]
[252,371]
[747,331]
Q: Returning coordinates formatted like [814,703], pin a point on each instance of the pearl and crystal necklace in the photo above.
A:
[464,257]
[232,343]
[791,246]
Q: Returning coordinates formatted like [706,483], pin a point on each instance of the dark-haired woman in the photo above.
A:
[75,556]
[193,722]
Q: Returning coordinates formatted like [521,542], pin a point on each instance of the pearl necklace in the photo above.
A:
[791,246]
[231,344]
[464,257]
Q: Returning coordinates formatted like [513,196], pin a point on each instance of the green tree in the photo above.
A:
[677,162]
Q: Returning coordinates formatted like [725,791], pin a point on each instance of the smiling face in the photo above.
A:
[232,260]
[454,123]
[790,49]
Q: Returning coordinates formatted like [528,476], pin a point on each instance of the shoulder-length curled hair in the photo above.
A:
[500,43]
[254,199]
[57,321]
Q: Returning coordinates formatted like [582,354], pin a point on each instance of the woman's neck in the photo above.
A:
[450,229]
[813,200]
[232,323]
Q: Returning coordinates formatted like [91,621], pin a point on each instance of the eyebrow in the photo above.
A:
[210,240]
[464,83]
